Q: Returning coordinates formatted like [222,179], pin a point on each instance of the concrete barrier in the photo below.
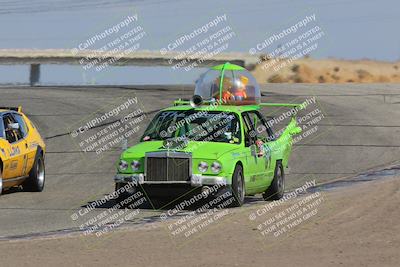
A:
[35,58]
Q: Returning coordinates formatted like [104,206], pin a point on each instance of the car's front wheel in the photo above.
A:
[277,188]
[238,188]
[36,179]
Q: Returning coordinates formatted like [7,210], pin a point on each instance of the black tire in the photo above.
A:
[237,187]
[35,181]
[277,188]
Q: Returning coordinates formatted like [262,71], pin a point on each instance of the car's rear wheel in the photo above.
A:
[36,179]
[277,188]
[238,188]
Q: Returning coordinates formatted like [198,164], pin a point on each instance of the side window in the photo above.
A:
[10,134]
[22,125]
[262,128]
[2,133]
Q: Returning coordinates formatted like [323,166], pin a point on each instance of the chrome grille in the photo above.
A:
[168,167]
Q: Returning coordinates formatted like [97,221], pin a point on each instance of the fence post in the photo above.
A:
[34,76]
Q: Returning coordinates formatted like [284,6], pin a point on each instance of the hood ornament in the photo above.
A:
[178,143]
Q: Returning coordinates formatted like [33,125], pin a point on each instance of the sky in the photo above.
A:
[352,30]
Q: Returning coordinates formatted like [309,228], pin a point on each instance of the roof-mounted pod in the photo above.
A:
[229,84]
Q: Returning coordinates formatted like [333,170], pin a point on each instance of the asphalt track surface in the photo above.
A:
[359,132]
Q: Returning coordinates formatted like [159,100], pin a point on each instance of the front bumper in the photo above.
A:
[195,180]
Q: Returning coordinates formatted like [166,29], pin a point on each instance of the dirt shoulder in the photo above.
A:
[355,226]
[308,70]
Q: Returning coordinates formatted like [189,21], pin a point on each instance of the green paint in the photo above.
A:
[258,171]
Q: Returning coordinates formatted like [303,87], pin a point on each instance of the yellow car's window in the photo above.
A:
[11,134]
[1,129]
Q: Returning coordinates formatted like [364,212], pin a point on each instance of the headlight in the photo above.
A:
[135,165]
[203,166]
[216,167]
[123,165]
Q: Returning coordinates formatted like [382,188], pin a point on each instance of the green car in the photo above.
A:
[218,138]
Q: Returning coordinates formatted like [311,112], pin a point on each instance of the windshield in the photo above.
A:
[194,126]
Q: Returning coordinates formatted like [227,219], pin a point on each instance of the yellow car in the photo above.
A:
[22,152]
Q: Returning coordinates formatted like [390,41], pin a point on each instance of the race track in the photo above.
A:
[359,131]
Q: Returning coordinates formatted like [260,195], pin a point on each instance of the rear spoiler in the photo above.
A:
[291,105]
[18,109]
[298,106]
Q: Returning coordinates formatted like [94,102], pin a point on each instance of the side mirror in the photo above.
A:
[13,126]
[295,130]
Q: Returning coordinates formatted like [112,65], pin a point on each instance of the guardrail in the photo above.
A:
[35,58]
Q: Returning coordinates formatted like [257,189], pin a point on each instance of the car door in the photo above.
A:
[264,148]
[28,150]
[16,150]
[4,148]
[252,160]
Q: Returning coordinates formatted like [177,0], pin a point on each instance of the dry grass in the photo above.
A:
[309,70]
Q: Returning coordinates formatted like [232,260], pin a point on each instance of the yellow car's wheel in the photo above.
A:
[36,179]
